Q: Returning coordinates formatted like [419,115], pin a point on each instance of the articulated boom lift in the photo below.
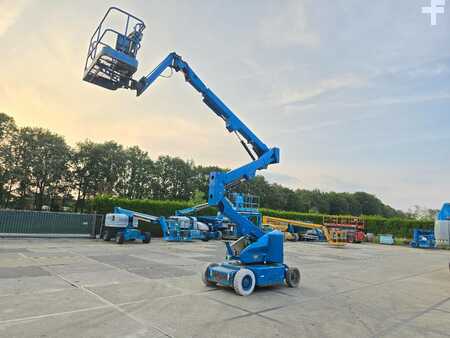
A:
[334,237]
[122,225]
[256,259]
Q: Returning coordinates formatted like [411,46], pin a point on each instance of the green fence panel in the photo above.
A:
[43,222]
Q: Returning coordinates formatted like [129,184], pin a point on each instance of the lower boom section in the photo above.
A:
[244,278]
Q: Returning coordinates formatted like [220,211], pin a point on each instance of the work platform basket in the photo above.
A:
[111,57]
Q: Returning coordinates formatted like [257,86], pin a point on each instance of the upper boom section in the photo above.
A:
[233,123]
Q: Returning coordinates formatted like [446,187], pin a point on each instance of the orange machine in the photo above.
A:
[334,236]
[353,226]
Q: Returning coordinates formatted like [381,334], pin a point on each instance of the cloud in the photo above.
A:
[295,96]
[325,83]
[409,140]
[10,11]
[287,26]
[281,178]
[384,101]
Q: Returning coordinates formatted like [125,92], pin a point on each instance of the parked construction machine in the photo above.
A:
[246,205]
[352,226]
[423,238]
[442,226]
[255,259]
[202,227]
[289,231]
[334,237]
[122,225]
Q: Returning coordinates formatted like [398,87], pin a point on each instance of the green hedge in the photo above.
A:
[105,204]
[399,227]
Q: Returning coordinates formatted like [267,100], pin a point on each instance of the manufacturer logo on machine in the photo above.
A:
[436,7]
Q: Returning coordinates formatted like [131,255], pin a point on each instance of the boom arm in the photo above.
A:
[284,223]
[261,154]
[190,210]
[137,215]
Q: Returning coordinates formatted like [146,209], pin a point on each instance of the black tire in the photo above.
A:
[293,277]
[148,237]
[120,238]
[205,275]
[106,235]
[206,237]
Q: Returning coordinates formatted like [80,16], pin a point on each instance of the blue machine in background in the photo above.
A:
[175,230]
[313,235]
[219,226]
[444,213]
[123,226]
[247,206]
[255,259]
[423,239]
[442,226]
[202,227]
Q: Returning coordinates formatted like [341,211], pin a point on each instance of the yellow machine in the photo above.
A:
[335,237]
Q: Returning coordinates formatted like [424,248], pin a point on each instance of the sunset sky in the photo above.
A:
[355,93]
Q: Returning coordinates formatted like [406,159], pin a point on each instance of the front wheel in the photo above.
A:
[244,282]
[293,277]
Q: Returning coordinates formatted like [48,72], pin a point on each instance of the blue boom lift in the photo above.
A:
[203,227]
[255,259]
[423,238]
[176,230]
[123,226]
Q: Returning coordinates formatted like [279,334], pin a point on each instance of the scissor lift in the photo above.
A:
[111,58]
[350,226]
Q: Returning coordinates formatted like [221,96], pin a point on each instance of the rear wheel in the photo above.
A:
[148,237]
[244,282]
[293,277]
[120,238]
[205,275]
[107,236]
[219,235]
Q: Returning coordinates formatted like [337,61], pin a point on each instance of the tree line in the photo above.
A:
[39,169]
